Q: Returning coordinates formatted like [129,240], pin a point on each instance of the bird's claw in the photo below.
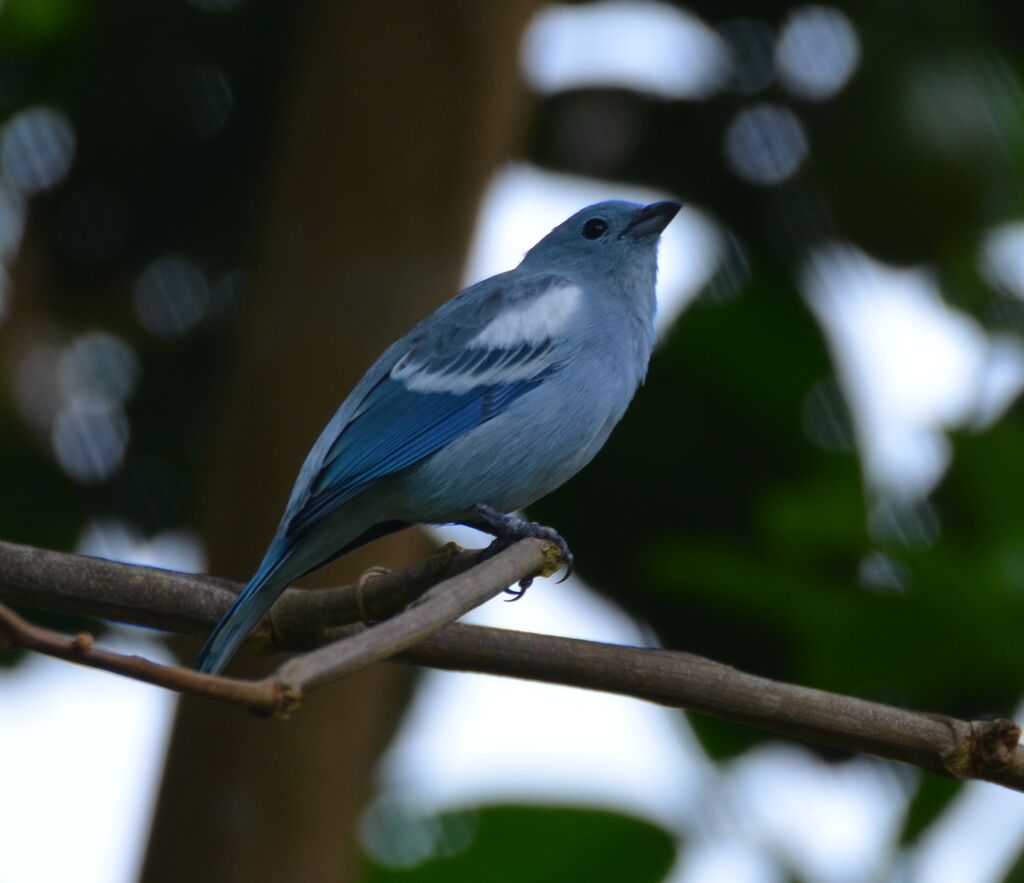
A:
[549,534]
[567,558]
[514,527]
[520,589]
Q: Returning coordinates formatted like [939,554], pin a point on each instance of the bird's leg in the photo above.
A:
[514,527]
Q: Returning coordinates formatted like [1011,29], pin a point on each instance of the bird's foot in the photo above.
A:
[508,528]
[514,594]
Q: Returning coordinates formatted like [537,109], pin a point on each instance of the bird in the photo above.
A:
[491,402]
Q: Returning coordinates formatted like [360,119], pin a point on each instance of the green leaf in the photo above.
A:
[933,796]
[543,845]
[36,23]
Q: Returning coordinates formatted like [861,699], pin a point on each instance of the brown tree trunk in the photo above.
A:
[393,118]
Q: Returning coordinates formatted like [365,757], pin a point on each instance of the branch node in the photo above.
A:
[367,576]
[552,559]
[81,642]
[446,554]
[287,699]
[997,741]
[985,748]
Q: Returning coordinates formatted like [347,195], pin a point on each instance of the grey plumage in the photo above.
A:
[490,403]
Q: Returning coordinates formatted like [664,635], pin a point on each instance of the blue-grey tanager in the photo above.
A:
[488,404]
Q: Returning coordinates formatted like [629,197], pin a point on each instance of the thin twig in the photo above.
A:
[282,692]
[258,695]
[949,746]
[439,607]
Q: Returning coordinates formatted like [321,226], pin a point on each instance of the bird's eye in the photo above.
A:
[595,228]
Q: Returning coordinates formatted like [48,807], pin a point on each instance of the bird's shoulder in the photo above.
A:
[507,310]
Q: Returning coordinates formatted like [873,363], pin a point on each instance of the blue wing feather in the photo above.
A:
[395,428]
[427,390]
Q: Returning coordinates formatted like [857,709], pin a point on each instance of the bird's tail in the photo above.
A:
[249,608]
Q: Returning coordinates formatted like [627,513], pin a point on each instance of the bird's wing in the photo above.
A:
[459,369]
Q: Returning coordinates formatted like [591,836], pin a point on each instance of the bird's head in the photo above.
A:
[612,237]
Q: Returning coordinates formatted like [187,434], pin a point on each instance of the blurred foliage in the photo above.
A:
[1016,873]
[744,539]
[152,177]
[735,522]
[509,844]
[933,796]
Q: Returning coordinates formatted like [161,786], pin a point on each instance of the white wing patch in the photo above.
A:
[515,345]
[531,323]
[475,367]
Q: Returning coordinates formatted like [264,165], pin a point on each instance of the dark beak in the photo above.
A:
[652,219]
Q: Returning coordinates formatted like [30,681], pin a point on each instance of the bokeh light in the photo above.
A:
[647,46]
[910,365]
[398,833]
[727,860]
[171,296]
[765,144]
[90,440]
[832,822]
[37,146]
[118,540]
[98,368]
[12,221]
[817,52]
[1002,258]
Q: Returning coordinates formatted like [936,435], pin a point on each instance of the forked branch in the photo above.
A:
[424,633]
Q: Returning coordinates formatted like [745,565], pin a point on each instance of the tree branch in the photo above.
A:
[280,693]
[422,634]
